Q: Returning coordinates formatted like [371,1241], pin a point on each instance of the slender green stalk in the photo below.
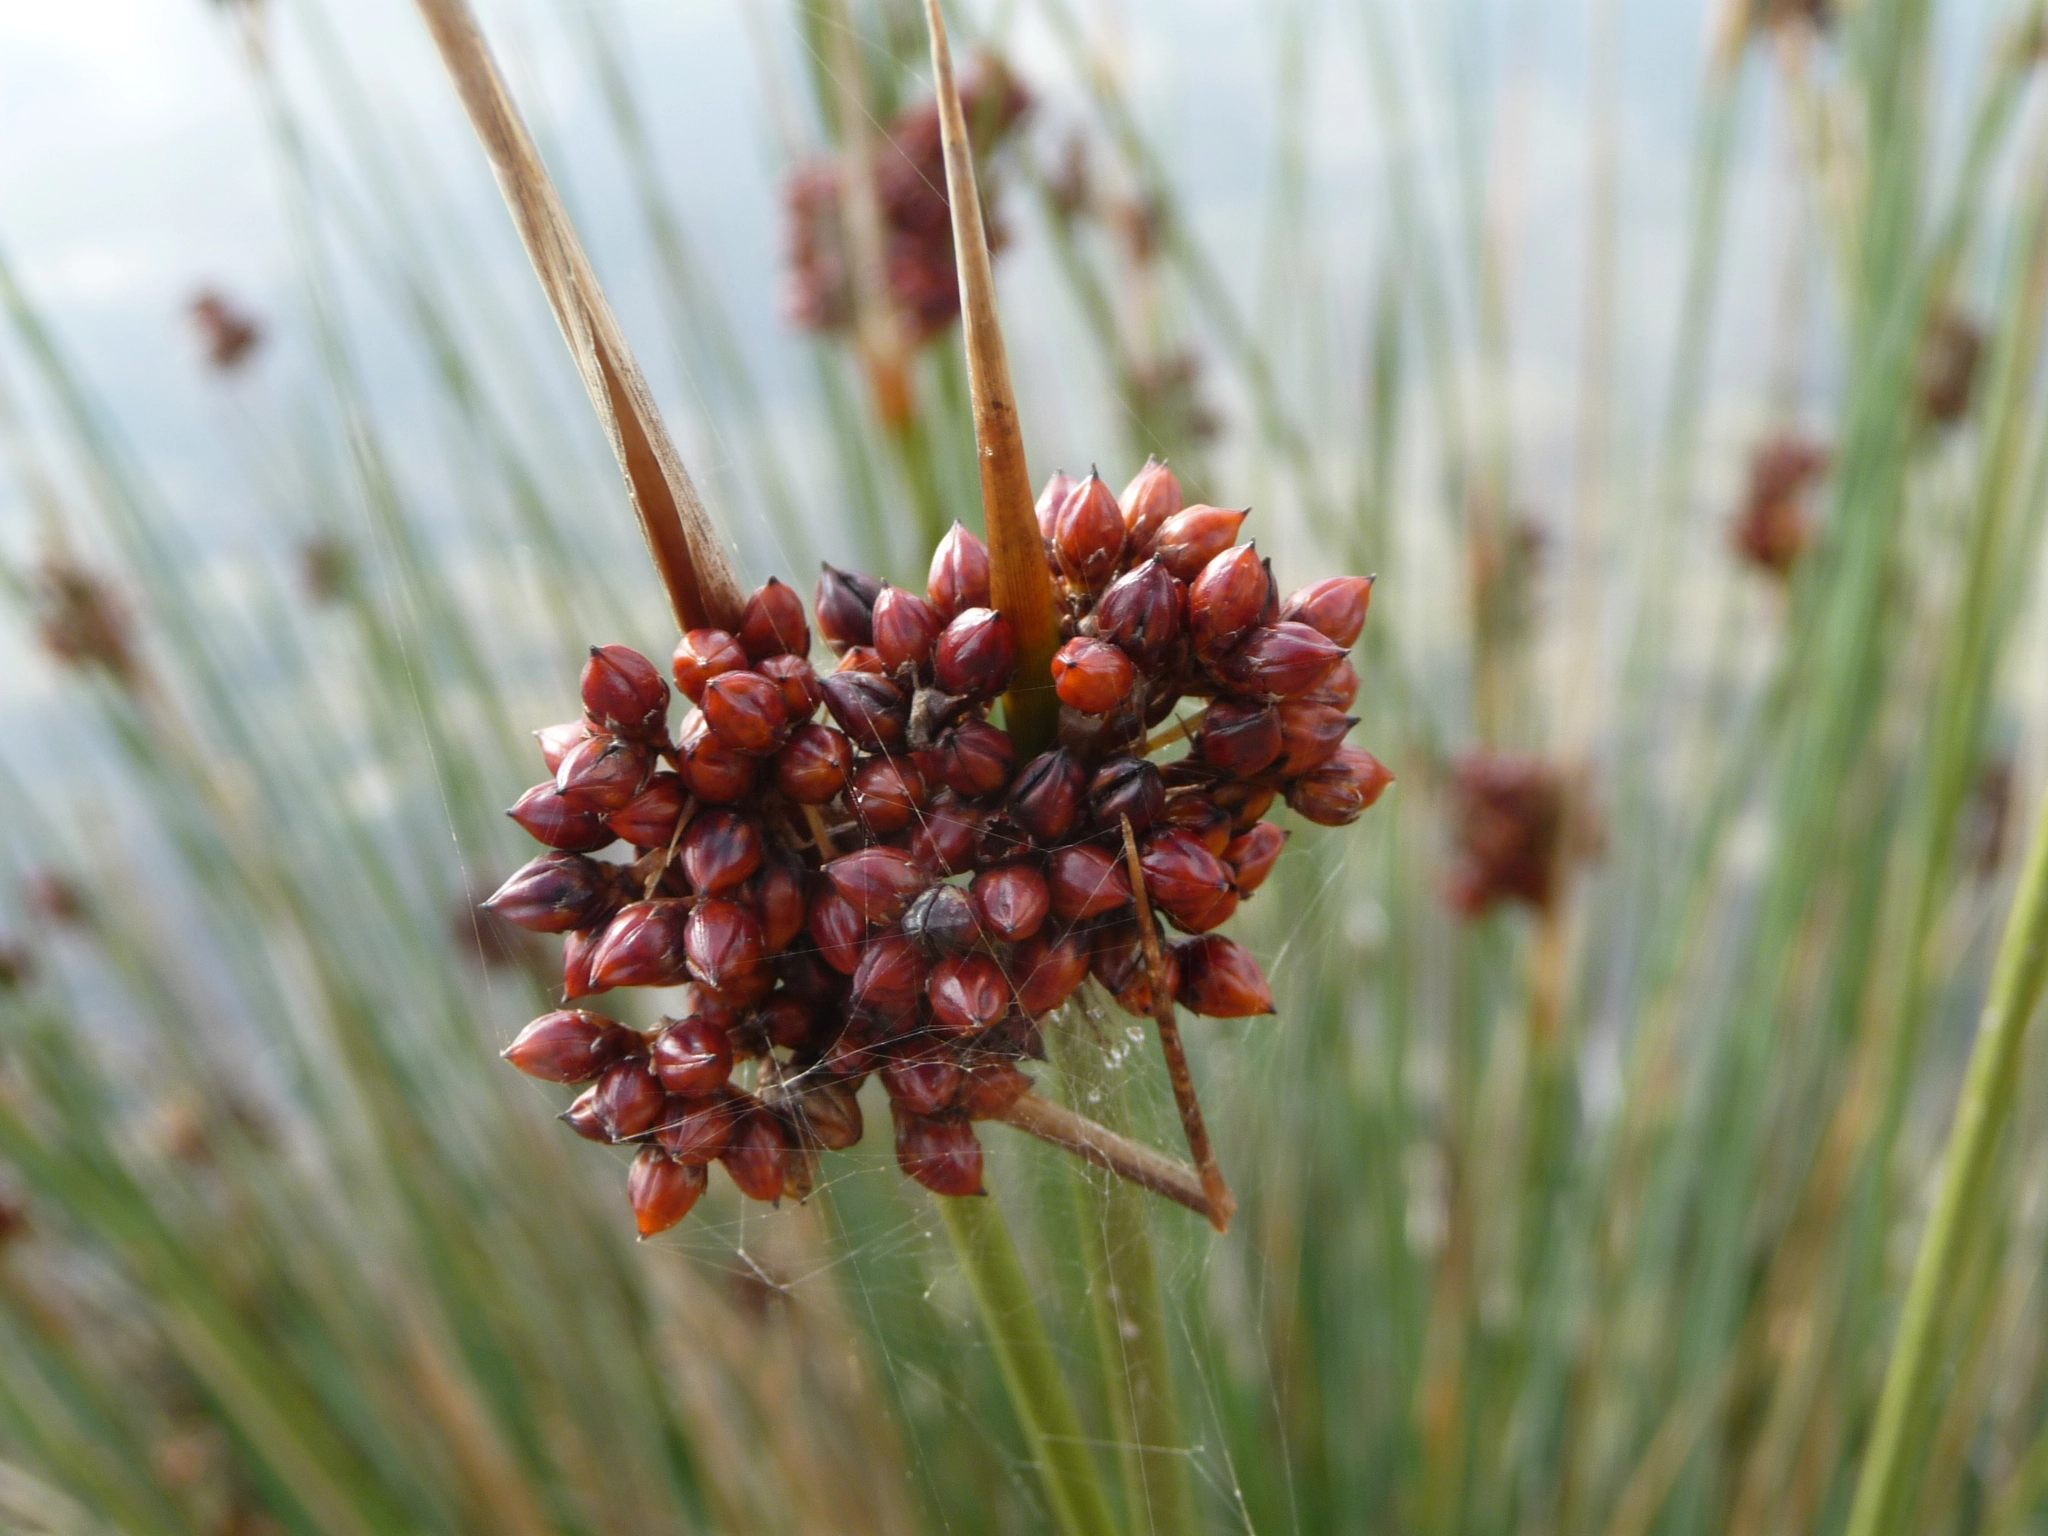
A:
[1031,1372]
[1883,1490]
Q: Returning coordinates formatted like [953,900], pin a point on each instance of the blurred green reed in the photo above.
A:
[1597,1219]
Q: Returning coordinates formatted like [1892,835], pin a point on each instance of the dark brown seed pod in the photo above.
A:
[869,708]
[629,1100]
[649,819]
[1252,854]
[1220,979]
[556,740]
[720,850]
[1309,735]
[1088,535]
[990,1087]
[1047,797]
[724,944]
[1334,607]
[1050,502]
[1191,538]
[696,1134]
[1339,690]
[1143,613]
[757,1155]
[942,921]
[1342,790]
[1012,901]
[1201,818]
[922,1081]
[1117,960]
[747,712]
[967,993]
[693,1058]
[976,654]
[1185,880]
[555,893]
[1247,803]
[582,1117]
[1086,881]
[602,774]
[550,819]
[890,977]
[1147,502]
[623,693]
[838,929]
[944,842]
[789,1022]
[1240,736]
[1225,600]
[815,765]
[776,895]
[880,883]
[703,654]
[642,947]
[906,627]
[1092,676]
[941,1152]
[1046,969]
[802,692]
[829,1111]
[662,1190]
[845,606]
[1280,661]
[975,759]
[959,577]
[888,793]
[772,623]
[570,1046]
[713,772]
[578,950]
[1125,787]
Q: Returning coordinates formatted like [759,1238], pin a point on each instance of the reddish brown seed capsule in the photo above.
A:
[1339,792]
[845,606]
[662,1190]
[942,921]
[578,950]
[802,693]
[869,708]
[1148,501]
[837,928]
[703,654]
[642,947]
[629,1100]
[1088,535]
[861,658]
[1125,787]
[906,628]
[623,693]
[555,893]
[649,819]
[889,978]
[1309,735]
[1118,961]
[777,897]
[1190,539]
[758,1153]
[1339,690]
[601,774]
[1050,502]
[550,819]
[975,654]
[940,1152]
[1225,600]
[880,883]
[922,1082]
[1281,661]
[1220,979]
[693,1058]
[1240,736]
[888,793]
[1092,676]
[582,1117]
[1011,901]
[696,1134]
[815,766]
[569,1046]
[1246,802]
[1047,797]
[990,1088]
[1188,882]
[968,993]
[1334,607]
[1046,970]
[1086,881]
[747,712]
[830,1111]
[944,841]
[959,575]
[772,623]
[720,849]
[724,944]
[975,759]
[1252,854]
[789,1022]
[1143,613]
[1201,818]
[556,740]
[713,772]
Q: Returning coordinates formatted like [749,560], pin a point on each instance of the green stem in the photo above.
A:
[1031,1372]
[1981,1116]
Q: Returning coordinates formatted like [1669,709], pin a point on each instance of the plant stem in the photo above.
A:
[1031,1372]
[1981,1117]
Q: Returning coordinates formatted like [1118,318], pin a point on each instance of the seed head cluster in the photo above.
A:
[859,874]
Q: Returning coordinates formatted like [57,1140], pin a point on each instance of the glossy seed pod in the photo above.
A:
[747,712]
[890,977]
[1012,901]
[1088,535]
[1339,690]
[713,772]
[720,850]
[887,794]
[1339,792]
[697,1133]
[578,950]
[1047,797]
[802,692]
[1220,979]
[1046,969]
[906,628]
[662,1190]
[1201,818]
[703,654]
[1280,661]
[922,1081]
[1092,676]
[1334,607]
[1143,614]
[756,1157]
[1225,601]
[649,819]
[776,897]
[990,1087]
[880,883]
[975,654]
[944,841]
[967,993]
[829,1112]
[942,921]
[601,774]
[1125,787]
[1186,881]
[861,658]
[642,947]
[1252,854]
[582,1117]
[570,1046]
[623,693]
[1310,735]
[724,945]
[959,577]
[1147,502]
[772,623]
[1240,736]
[555,893]
[1193,537]
[845,607]
[815,765]
[870,708]
[692,1057]
[837,928]
[941,1152]
[1051,500]
[556,740]
[975,759]
[629,1100]
[548,818]
[1117,959]
[1086,881]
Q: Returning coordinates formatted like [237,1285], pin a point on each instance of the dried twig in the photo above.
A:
[1222,1204]
[1103,1147]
